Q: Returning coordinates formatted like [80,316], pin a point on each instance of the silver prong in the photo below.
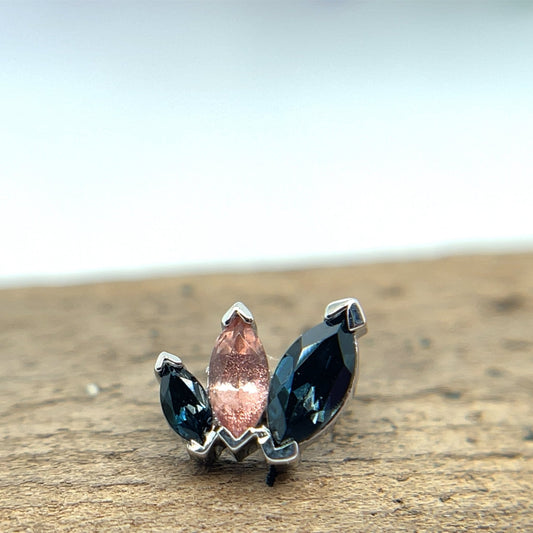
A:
[334,309]
[285,455]
[165,358]
[239,447]
[238,308]
[219,439]
[346,305]
[208,451]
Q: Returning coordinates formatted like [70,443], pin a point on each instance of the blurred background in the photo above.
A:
[140,138]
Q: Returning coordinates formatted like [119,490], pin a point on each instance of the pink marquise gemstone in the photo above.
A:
[238,377]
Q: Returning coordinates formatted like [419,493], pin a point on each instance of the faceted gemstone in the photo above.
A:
[238,377]
[185,404]
[311,382]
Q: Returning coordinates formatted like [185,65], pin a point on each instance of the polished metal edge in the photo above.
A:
[287,454]
[165,358]
[336,308]
[238,308]
[208,451]
[219,439]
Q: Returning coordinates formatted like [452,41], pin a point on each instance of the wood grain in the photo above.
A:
[438,438]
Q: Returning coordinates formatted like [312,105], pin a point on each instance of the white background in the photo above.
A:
[148,137]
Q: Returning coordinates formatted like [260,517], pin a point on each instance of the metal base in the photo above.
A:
[217,440]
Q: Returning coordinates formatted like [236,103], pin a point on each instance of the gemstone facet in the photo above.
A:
[238,377]
[311,381]
[184,403]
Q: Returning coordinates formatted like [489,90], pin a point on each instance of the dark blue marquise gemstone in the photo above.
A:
[185,403]
[311,382]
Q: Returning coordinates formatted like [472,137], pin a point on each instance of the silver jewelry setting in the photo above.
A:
[348,313]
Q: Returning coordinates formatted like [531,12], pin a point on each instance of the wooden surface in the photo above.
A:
[438,438]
